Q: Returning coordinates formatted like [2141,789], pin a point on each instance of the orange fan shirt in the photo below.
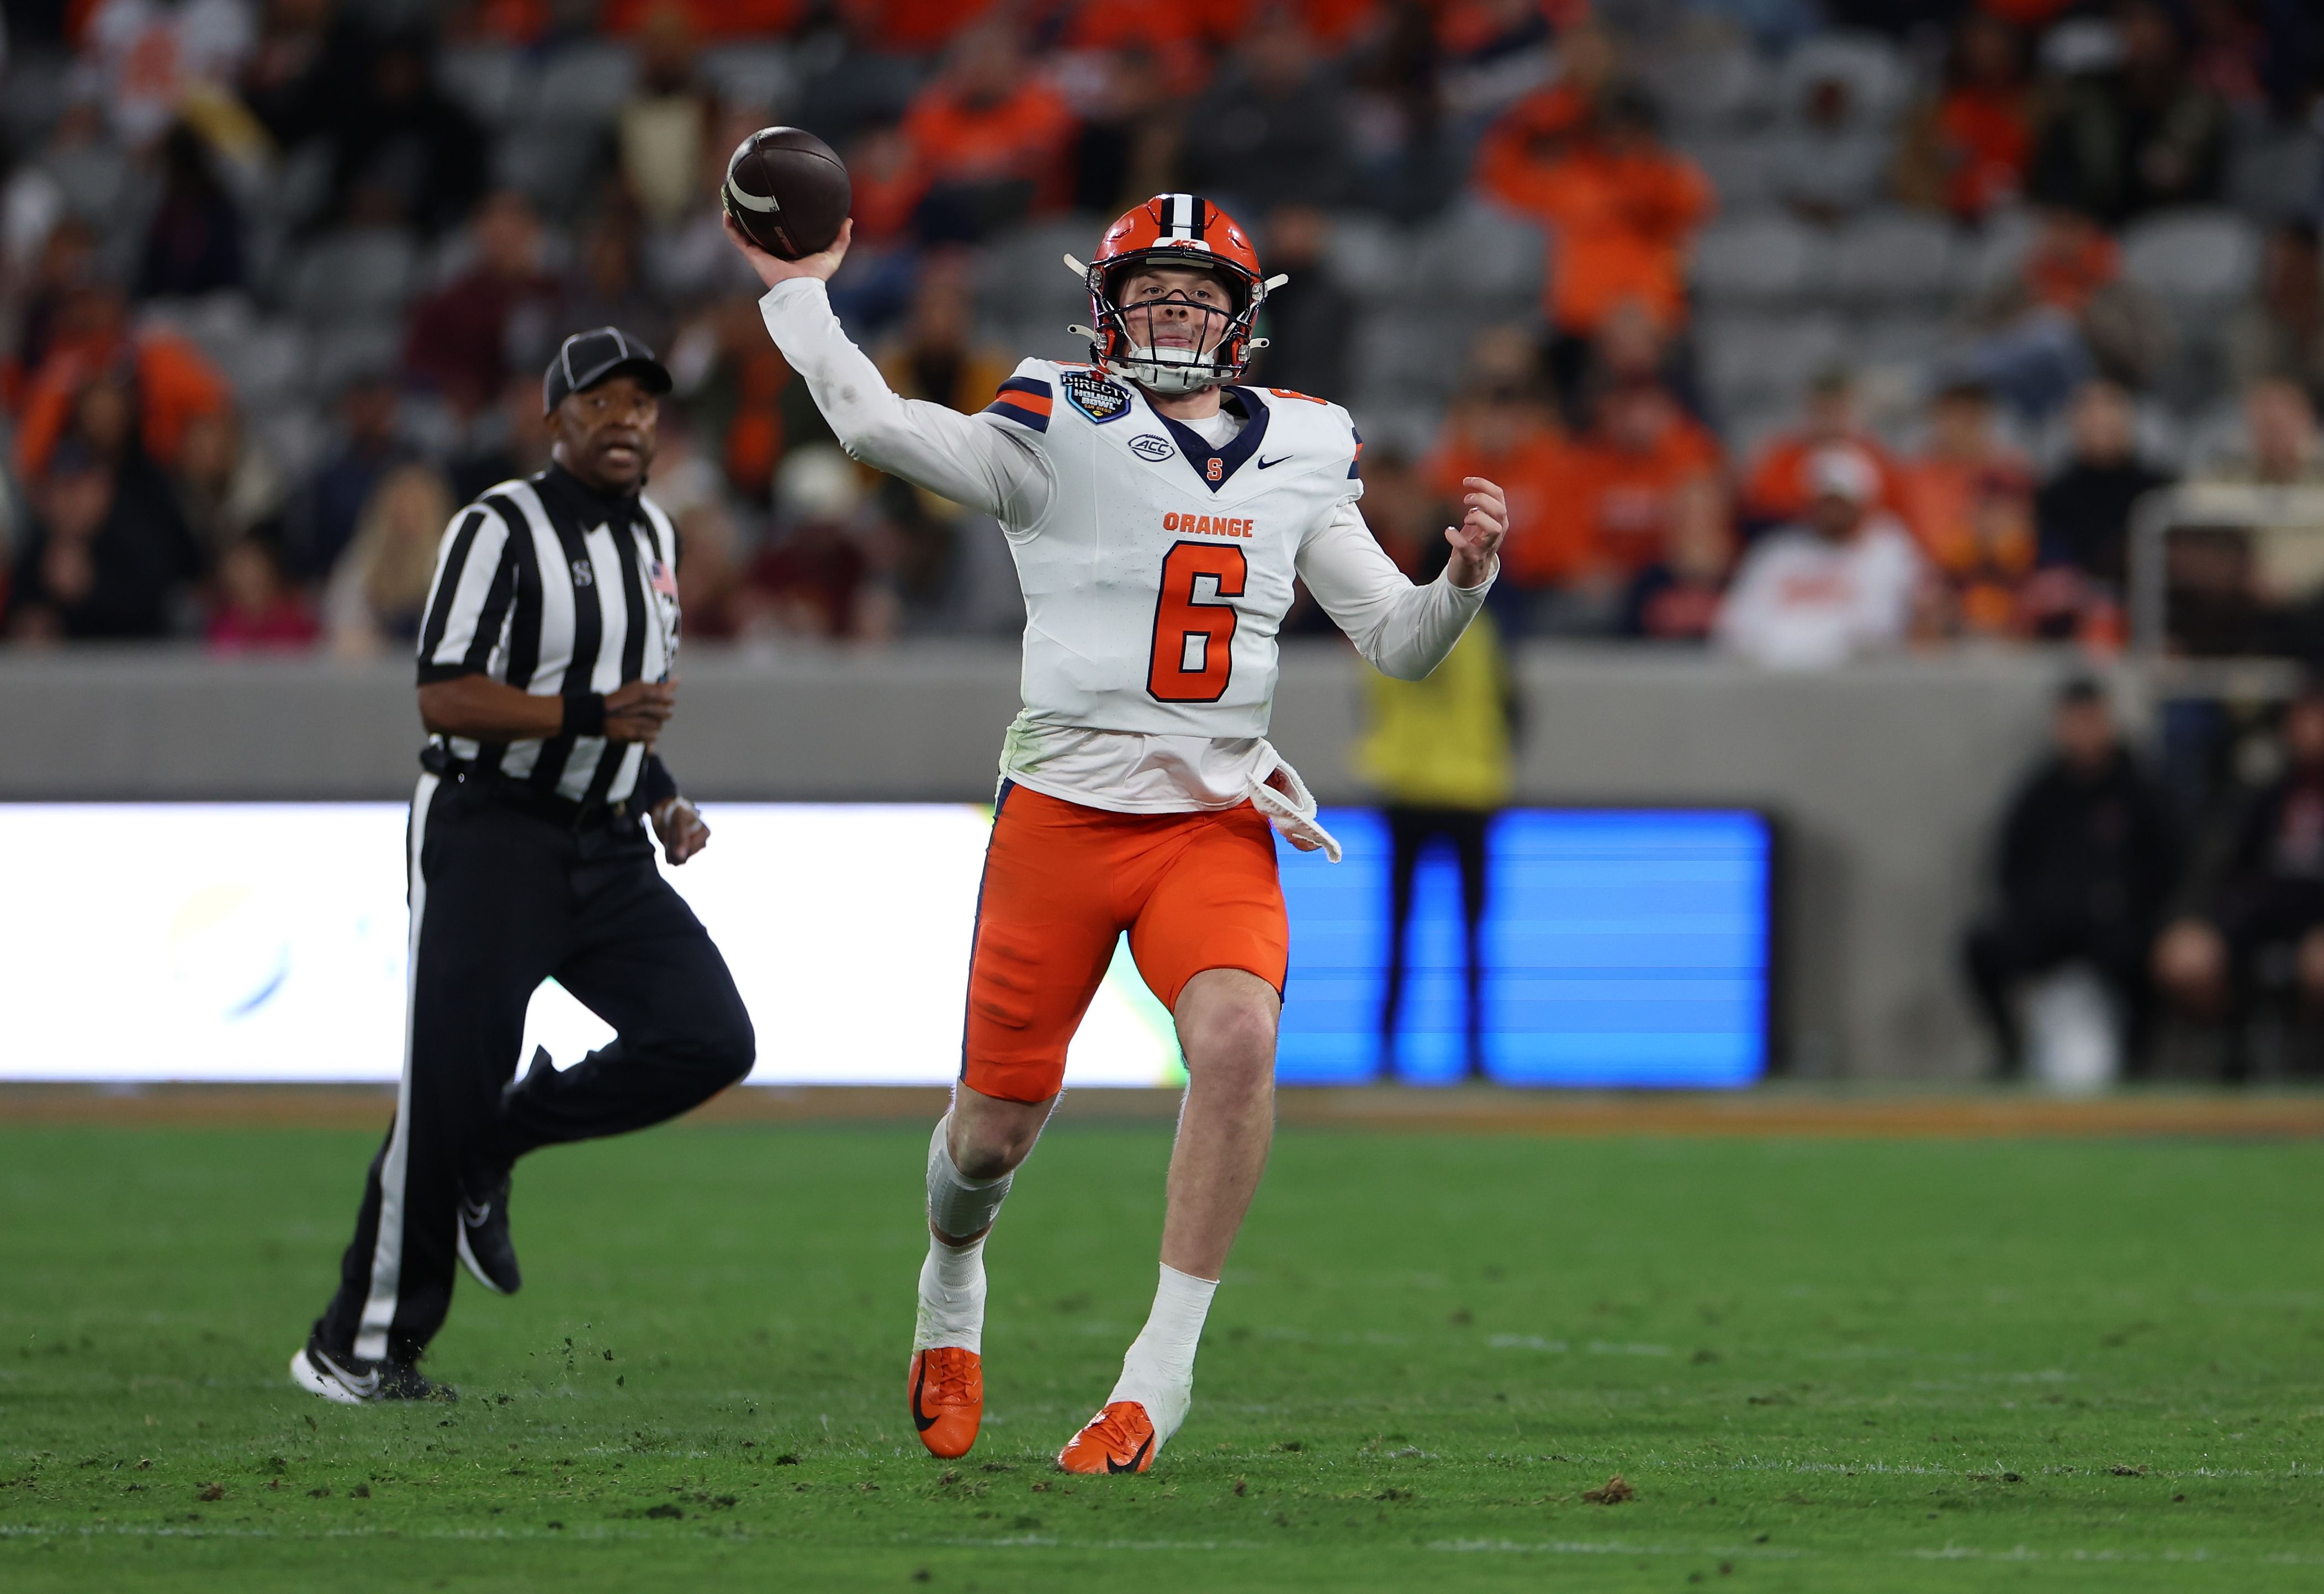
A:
[911,27]
[1777,490]
[1975,523]
[711,19]
[175,383]
[1544,548]
[1024,135]
[1622,499]
[1619,222]
[1988,138]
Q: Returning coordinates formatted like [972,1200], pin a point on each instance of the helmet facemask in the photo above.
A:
[1142,340]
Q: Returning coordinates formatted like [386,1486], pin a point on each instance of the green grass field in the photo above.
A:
[1820,1365]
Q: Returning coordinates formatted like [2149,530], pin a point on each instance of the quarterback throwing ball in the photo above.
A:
[1159,514]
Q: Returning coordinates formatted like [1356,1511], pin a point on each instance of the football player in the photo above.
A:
[1159,514]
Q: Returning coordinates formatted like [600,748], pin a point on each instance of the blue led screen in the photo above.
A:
[1622,947]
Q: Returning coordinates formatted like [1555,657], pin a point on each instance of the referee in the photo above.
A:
[544,679]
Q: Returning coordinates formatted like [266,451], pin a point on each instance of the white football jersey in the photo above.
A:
[1161,569]
[1158,565]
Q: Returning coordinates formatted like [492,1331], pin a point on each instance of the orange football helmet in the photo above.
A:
[1183,230]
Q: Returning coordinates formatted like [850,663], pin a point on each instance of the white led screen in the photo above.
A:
[257,941]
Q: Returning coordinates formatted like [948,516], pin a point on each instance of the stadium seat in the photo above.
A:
[546,163]
[350,349]
[272,363]
[2192,258]
[1369,256]
[1995,253]
[1895,257]
[266,360]
[1754,363]
[584,85]
[293,436]
[1739,169]
[1409,360]
[1393,426]
[1022,278]
[2277,175]
[1487,258]
[1706,90]
[1759,260]
[1909,340]
[35,89]
[359,274]
[752,75]
[1869,64]
[491,82]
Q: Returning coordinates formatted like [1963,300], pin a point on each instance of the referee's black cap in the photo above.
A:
[590,357]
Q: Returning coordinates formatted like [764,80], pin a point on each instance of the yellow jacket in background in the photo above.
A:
[1444,742]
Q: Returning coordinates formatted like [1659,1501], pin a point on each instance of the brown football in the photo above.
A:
[788,191]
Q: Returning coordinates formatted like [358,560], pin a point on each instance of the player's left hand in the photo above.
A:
[1477,540]
[679,825]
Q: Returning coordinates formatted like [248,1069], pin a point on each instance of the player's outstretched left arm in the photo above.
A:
[1477,540]
[1403,630]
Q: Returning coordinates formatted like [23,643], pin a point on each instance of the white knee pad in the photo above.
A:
[962,1207]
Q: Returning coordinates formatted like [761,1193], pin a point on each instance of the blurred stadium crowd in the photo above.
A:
[1801,330]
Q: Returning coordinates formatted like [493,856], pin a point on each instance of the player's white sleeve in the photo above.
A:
[1404,630]
[975,463]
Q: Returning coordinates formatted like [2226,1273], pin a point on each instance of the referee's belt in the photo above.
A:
[529,798]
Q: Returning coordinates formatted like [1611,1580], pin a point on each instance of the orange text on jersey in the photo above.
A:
[1206,525]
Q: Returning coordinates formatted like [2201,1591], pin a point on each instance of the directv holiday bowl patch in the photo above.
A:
[1100,400]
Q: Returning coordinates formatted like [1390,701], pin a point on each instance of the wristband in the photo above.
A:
[584,714]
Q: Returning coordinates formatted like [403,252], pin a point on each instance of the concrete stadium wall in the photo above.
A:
[1884,778]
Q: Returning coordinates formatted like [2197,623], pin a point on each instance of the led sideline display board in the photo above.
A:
[266,941]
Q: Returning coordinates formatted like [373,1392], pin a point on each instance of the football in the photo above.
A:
[788,191]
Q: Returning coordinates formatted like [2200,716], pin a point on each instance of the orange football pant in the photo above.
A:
[1061,882]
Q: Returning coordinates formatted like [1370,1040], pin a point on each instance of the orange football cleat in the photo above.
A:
[1119,1439]
[947,1398]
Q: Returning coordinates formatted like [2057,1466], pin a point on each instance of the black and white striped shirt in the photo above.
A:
[554,589]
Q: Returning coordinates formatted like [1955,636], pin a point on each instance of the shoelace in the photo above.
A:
[949,1381]
[1112,1427]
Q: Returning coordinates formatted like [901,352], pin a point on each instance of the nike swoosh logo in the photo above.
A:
[367,1386]
[1132,1465]
[475,1216]
[919,1382]
[1270,464]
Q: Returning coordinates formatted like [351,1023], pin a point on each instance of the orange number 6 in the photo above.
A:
[1193,638]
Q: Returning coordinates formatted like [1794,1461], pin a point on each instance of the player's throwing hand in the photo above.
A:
[773,268]
[1477,540]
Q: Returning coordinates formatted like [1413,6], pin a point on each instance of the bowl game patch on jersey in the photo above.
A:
[1100,398]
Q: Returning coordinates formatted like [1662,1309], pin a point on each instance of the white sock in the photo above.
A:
[952,1297]
[1159,1373]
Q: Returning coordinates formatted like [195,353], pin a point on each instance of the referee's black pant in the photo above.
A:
[502,899]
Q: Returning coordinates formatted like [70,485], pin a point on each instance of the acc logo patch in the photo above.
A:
[1100,400]
[1146,445]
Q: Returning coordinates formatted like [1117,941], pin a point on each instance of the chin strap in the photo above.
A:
[1284,798]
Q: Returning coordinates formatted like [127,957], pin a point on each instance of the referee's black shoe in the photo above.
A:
[485,1247]
[350,1381]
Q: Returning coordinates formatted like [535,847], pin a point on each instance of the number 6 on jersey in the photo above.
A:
[1193,638]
